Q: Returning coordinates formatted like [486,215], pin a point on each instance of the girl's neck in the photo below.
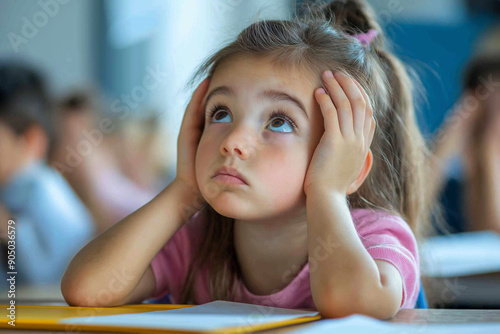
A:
[278,233]
[269,251]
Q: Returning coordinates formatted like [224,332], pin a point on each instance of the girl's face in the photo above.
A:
[271,152]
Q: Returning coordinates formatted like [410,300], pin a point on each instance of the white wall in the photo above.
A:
[55,35]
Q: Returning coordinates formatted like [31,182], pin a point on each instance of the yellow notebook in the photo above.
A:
[214,317]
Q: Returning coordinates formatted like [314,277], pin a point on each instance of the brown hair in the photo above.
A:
[316,41]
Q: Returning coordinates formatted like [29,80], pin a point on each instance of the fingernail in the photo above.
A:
[328,74]
[321,90]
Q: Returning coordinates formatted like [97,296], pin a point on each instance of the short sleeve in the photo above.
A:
[171,263]
[388,237]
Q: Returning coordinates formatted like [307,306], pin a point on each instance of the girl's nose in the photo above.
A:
[239,142]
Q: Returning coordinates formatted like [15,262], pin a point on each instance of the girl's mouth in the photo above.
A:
[228,179]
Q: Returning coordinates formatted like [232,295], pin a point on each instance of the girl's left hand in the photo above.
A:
[349,129]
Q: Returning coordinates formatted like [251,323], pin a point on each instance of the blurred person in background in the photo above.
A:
[141,154]
[467,146]
[112,168]
[50,222]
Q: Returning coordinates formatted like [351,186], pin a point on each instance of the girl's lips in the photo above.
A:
[227,170]
[228,179]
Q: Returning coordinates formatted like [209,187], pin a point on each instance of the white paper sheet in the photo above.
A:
[355,324]
[210,316]
[461,254]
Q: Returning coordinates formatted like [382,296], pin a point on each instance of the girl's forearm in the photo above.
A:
[343,274]
[124,251]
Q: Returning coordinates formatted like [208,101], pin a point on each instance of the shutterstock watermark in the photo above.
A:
[31,26]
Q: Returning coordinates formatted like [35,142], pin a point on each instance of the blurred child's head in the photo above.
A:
[25,118]
[289,56]
[138,146]
[74,113]
[77,112]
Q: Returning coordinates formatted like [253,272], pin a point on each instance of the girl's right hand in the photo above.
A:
[189,138]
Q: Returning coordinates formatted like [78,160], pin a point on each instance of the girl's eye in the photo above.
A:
[279,118]
[218,114]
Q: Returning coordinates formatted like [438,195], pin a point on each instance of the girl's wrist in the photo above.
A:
[324,191]
[190,199]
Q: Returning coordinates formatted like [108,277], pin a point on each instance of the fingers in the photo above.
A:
[369,121]
[194,115]
[204,89]
[328,110]
[351,104]
[340,102]
[357,101]
[199,94]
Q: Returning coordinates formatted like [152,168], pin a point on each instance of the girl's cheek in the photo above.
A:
[208,138]
[280,140]
[203,144]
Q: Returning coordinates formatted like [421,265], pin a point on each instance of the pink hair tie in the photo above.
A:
[366,38]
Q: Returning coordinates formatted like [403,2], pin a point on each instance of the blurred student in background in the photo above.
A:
[113,169]
[51,223]
[467,146]
[140,145]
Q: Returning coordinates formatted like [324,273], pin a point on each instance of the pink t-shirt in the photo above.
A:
[386,237]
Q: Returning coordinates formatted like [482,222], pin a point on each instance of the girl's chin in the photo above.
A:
[231,208]
[226,210]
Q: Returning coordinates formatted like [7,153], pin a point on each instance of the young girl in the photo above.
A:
[286,193]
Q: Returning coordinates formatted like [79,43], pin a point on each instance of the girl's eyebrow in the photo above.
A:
[268,94]
[282,96]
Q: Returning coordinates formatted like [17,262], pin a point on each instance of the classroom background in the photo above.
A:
[126,63]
